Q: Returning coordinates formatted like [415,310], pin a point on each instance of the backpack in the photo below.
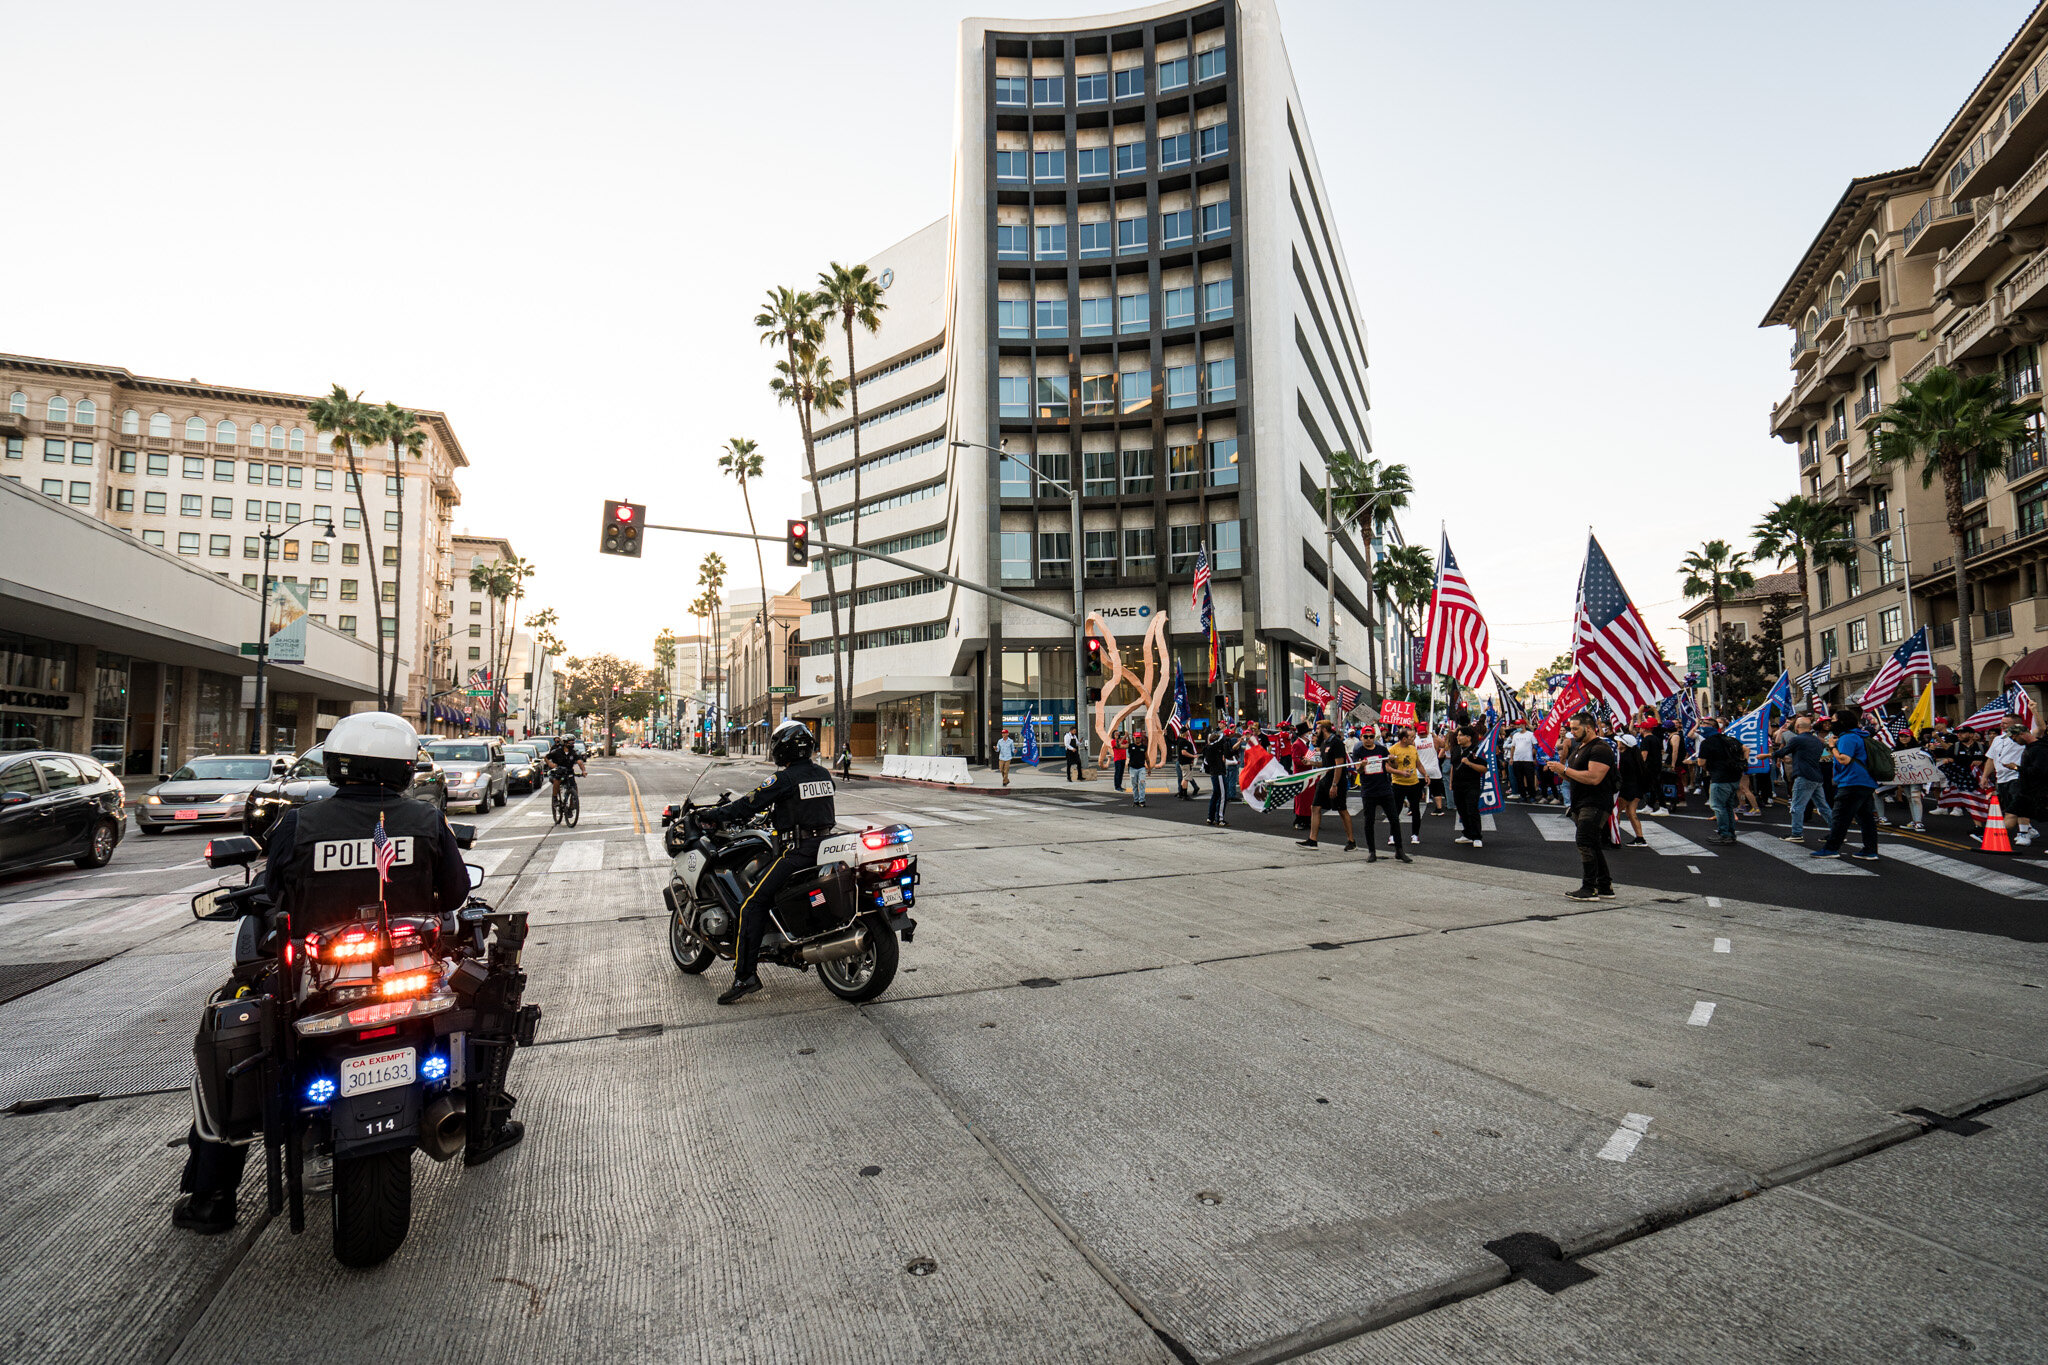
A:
[1878,758]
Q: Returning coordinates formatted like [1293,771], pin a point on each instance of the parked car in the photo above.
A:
[476,770]
[208,790]
[522,767]
[306,780]
[55,806]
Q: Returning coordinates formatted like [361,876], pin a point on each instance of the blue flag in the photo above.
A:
[1183,719]
[1781,694]
[1031,736]
[1491,797]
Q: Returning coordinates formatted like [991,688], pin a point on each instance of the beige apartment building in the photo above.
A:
[761,662]
[1939,263]
[200,471]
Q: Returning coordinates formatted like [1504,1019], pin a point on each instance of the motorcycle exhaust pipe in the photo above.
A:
[444,1128]
[830,950]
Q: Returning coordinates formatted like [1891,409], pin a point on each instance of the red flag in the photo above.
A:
[1568,703]
[1314,693]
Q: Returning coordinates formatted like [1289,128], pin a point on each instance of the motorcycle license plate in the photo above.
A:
[892,895]
[187,814]
[377,1071]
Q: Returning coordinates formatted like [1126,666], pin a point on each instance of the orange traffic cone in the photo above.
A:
[1996,840]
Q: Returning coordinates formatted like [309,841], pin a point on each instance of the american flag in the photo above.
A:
[1992,714]
[1909,660]
[1511,709]
[1456,642]
[1206,604]
[1812,682]
[1610,643]
[385,852]
[1347,697]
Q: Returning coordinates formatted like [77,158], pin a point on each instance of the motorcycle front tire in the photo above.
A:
[692,955]
[862,978]
[372,1206]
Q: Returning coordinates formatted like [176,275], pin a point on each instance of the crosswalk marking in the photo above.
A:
[1772,846]
[654,848]
[1555,828]
[2000,883]
[1487,825]
[908,818]
[135,914]
[1670,844]
[489,859]
[586,855]
[966,817]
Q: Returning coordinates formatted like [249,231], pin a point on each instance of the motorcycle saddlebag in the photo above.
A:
[230,1032]
[821,899]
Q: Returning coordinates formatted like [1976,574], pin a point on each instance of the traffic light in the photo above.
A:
[797,545]
[1095,656]
[620,534]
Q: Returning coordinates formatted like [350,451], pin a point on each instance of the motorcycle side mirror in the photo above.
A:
[465,835]
[204,907]
[233,851]
[476,875]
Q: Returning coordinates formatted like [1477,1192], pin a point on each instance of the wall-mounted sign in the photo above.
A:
[887,277]
[42,703]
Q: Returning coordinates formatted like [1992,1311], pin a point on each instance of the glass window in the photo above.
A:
[224,433]
[252,547]
[81,452]
[188,542]
[159,465]
[347,626]
[223,471]
[1890,626]
[255,470]
[323,479]
[273,511]
[322,512]
[1221,376]
[1825,583]
[319,552]
[1859,635]
[1183,543]
[387,591]
[1092,89]
[1013,243]
[220,546]
[1013,479]
[1098,396]
[1135,387]
[1223,462]
[316,588]
[1013,396]
[81,492]
[1138,473]
[1209,65]
[154,503]
[1052,396]
[53,488]
[1177,228]
[1052,317]
[1180,306]
[86,413]
[131,423]
[1098,476]
[1852,574]
[1215,140]
[1130,234]
[1180,386]
[1049,165]
[1049,90]
[125,461]
[124,500]
[1052,241]
[294,476]
[1226,548]
[1096,239]
[350,518]
[1217,300]
[1173,75]
[57,410]
[195,428]
[15,450]
[1016,556]
[191,505]
[1010,90]
[1135,311]
[1093,163]
[53,451]
[348,589]
[252,510]
[1096,319]
[155,538]
[1183,468]
[276,478]
[1098,549]
[1130,158]
[1130,83]
[391,520]
[1216,219]
[1174,151]
[277,438]
[194,467]
[1141,558]
[1055,554]
[298,439]
[1013,165]
[160,424]
[351,553]
[1013,317]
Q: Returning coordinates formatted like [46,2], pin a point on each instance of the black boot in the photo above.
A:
[740,990]
[508,1135]
[209,1215]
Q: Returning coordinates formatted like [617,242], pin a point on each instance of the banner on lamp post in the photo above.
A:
[289,608]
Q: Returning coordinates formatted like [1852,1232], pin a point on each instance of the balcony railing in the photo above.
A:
[2023,384]
[1973,489]
[1838,433]
[1938,206]
[1880,522]
[1809,456]
[2028,456]
[1867,407]
[1997,622]
[1802,343]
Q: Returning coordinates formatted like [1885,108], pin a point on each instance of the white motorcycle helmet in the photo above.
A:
[372,746]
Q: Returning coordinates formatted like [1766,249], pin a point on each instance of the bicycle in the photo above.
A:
[567,805]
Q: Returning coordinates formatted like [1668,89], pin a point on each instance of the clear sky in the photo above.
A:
[553,223]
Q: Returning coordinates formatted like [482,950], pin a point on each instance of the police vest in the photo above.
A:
[331,877]
[804,799]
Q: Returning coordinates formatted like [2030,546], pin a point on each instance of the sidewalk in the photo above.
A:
[1051,773]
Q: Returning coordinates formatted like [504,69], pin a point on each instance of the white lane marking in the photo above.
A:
[1702,1011]
[1487,825]
[1554,828]
[1713,902]
[1671,844]
[907,818]
[489,859]
[2000,883]
[966,817]
[1694,870]
[655,850]
[1722,945]
[135,914]
[1622,1145]
[1771,846]
[13,913]
[584,856]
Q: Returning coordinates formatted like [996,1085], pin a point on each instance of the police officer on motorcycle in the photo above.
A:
[801,799]
[370,759]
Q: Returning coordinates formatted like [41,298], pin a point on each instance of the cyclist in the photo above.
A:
[564,765]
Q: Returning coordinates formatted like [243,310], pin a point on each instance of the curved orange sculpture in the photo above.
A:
[1157,662]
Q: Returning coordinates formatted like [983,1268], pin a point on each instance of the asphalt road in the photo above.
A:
[1144,1091]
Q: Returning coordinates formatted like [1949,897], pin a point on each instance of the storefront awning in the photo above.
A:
[2032,669]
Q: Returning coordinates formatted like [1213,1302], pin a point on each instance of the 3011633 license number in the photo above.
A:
[377,1071]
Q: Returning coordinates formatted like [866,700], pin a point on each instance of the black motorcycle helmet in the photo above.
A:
[791,742]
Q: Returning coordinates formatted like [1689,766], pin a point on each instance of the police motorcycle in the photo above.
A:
[844,916]
[348,1048]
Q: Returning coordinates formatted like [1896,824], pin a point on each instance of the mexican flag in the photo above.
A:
[1259,766]
[1281,789]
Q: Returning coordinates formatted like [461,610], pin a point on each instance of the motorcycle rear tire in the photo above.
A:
[692,955]
[862,978]
[372,1206]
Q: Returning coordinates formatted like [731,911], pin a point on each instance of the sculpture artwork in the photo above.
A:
[1157,662]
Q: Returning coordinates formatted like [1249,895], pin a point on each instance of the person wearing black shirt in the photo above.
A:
[1333,787]
[1376,786]
[1588,769]
[1468,774]
[1216,761]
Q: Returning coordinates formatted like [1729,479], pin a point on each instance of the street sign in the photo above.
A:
[1696,658]
[251,647]
[479,692]
[788,691]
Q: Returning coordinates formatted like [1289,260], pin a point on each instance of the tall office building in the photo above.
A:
[1138,286]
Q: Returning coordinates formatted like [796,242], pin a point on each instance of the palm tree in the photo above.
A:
[402,431]
[353,424]
[1365,493]
[1714,571]
[790,318]
[1409,572]
[740,460]
[495,581]
[517,571]
[1811,532]
[1956,427]
[711,575]
[856,296]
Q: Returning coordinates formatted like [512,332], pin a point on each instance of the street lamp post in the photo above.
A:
[1075,560]
[269,538]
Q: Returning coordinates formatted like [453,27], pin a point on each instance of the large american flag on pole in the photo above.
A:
[1205,602]
[1909,660]
[1456,642]
[1992,714]
[1610,643]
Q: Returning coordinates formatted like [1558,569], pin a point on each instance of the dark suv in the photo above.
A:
[55,806]
[306,780]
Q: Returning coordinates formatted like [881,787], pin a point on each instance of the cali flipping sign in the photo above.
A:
[1400,713]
